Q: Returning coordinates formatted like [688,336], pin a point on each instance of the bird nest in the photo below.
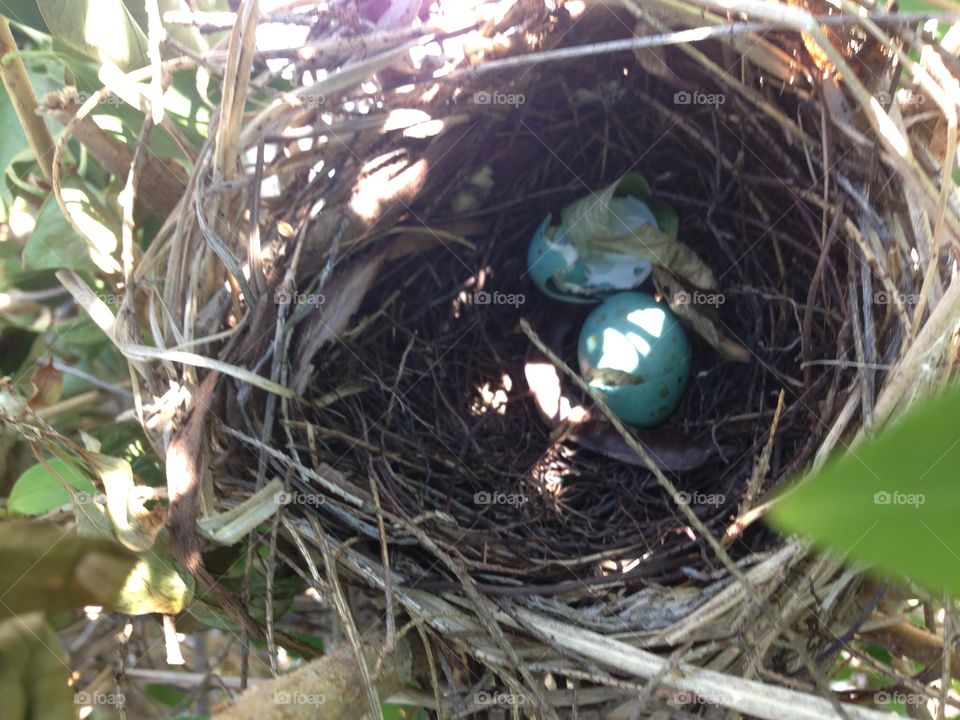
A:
[369,321]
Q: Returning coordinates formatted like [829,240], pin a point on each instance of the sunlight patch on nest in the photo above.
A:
[492,398]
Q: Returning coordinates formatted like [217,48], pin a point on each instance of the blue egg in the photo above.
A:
[584,275]
[635,353]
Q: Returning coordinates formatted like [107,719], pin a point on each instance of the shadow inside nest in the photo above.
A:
[428,394]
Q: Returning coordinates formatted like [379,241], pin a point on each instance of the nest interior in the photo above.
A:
[429,395]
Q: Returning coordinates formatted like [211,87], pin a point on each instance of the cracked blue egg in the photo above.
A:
[581,275]
[634,352]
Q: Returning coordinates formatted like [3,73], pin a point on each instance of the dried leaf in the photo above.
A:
[47,385]
[134,524]
[591,224]
[692,316]
[342,297]
[671,449]
[652,59]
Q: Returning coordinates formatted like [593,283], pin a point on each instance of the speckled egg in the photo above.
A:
[564,272]
[635,353]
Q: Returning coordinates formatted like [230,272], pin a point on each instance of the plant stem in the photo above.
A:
[18,86]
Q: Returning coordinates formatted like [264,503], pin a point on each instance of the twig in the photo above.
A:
[17,83]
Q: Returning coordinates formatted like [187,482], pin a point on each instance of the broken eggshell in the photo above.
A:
[634,352]
[567,273]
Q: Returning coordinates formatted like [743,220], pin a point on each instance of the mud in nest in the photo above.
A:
[427,393]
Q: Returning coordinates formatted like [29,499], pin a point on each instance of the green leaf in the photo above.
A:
[100,29]
[401,712]
[891,501]
[80,331]
[40,489]
[17,176]
[12,140]
[48,568]
[34,673]
[53,244]
[182,102]
[25,12]
[16,344]
[156,585]
[168,695]
[127,440]
[919,6]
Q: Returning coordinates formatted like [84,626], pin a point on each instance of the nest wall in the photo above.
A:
[415,412]
[426,350]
